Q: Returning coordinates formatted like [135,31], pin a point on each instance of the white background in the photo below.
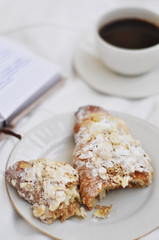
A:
[53,29]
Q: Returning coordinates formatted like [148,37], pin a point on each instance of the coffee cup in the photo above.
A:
[125,60]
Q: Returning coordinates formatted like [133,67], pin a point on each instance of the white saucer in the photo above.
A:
[99,77]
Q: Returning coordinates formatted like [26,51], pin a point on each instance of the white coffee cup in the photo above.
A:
[122,60]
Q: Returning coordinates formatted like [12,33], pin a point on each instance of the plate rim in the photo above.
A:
[41,124]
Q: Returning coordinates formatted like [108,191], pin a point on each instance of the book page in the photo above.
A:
[22,76]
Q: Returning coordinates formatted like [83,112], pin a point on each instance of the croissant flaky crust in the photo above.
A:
[106,155]
[51,187]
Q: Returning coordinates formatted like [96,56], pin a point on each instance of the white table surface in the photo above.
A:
[53,29]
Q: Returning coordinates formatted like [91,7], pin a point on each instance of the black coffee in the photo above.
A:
[130,33]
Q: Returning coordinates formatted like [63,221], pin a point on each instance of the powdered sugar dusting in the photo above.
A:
[104,142]
[47,184]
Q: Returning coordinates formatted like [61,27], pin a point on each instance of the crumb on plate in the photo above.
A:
[103,211]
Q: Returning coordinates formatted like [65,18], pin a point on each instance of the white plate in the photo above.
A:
[99,77]
[135,211]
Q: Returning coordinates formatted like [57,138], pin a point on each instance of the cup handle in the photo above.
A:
[89,46]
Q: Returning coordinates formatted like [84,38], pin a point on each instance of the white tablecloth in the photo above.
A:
[53,29]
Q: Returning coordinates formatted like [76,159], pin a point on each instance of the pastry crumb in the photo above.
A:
[97,206]
[82,212]
[103,211]
[117,211]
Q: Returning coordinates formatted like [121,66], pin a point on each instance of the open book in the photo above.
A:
[24,77]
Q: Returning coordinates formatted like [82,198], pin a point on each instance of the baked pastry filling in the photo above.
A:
[51,188]
[102,212]
[106,155]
